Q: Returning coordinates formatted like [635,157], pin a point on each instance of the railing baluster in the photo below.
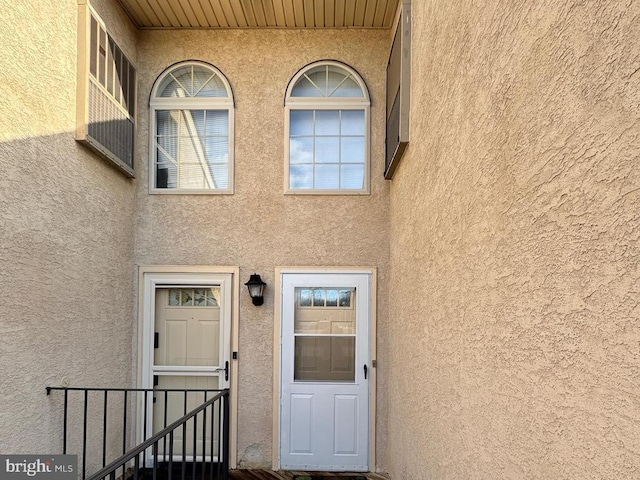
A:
[64,432]
[184,439]
[213,436]
[124,424]
[84,435]
[144,429]
[204,438]
[166,402]
[170,454]
[136,467]
[155,460]
[225,436]
[104,429]
[195,447]
[219,438]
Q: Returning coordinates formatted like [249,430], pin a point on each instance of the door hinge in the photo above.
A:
[156,340]
[155,380]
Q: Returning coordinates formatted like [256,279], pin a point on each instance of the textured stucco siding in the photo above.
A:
[259,228]
[514,327]
[66,230]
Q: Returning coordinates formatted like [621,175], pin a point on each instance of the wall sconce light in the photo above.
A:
[256,287]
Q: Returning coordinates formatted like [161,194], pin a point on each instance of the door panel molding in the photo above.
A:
[277,381]
[166,276]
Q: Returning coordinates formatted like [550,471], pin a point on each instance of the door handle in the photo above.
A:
[365,371]
[226,371]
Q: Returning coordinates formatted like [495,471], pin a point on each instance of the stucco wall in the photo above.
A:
[66,230]
[259,228]
[515,331]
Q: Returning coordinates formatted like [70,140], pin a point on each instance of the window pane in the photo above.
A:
[349,88]
[352,122]
[327,149]
[213,297]
[191,150]
[305,297]
[326,177]
[199,297]
[213,88]
[352,176]
[327,122]
[352,149]
[301,176]
[219,174]
[205,84]
[304,88]
[318,76]
[166,175]
[217,122]
[301,122]
[167,122]
[192,123]
[167,147]
[177,83]
[329,359]
[345,298]
[332,298]
[193,175]
[174,297]
[301,150]
[217,150]
[318,297]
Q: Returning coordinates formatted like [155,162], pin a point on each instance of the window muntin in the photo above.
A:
[327,149]
[192,141]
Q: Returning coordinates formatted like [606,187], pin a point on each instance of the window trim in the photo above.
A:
[192,103]
[328,103]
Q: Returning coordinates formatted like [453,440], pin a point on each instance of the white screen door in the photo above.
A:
[325,372]
[188,348]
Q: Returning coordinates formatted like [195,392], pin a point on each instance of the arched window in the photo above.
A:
[327,131]
[191,131]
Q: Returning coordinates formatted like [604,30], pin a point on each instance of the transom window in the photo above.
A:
[327,144]
[192,125]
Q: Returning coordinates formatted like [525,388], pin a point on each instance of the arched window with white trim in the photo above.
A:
[191,131]
[327,131]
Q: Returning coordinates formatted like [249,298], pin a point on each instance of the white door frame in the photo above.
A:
[159,276]
[277,384]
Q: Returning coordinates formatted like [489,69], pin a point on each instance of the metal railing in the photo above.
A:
[197,443]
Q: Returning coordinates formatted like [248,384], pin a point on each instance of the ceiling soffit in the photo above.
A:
[151,14]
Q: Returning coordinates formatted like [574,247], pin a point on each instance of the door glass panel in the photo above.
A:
[325,334]
[187,327]
[325,359]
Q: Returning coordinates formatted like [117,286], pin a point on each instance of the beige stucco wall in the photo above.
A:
[515,329]
[66,230]
[259,228]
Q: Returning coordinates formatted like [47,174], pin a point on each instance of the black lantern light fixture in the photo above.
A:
[256,287]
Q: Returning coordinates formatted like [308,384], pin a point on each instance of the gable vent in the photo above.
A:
[106,94]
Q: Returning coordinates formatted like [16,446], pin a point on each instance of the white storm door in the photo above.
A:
[325,372]
[188,348]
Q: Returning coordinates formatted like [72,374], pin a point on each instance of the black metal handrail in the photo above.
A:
[153,442]
[122,425]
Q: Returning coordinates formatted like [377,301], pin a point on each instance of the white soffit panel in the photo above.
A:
[150,14]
